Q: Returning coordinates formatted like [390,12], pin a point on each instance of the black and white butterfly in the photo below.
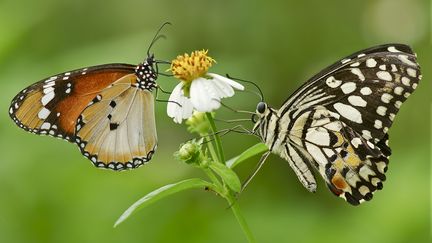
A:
[337,122]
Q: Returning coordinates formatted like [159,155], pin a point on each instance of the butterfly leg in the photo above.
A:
[258,167]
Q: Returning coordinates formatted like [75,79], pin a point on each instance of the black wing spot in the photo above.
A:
[113,103]
[109,116]
[113,126]
[343,153]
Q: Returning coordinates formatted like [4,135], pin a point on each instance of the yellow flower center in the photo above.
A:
[188,68]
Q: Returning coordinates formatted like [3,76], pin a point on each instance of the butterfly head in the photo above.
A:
[146,73]
[262,111]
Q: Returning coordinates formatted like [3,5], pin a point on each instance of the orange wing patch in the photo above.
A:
[84,92]
[52,106]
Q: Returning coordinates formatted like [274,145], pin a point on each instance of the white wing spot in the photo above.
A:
[45,125]
[386,98]
[398,90]
[356,142]
[348,87]
[398,104]
[371,62]
[404,59]
[316,153]
[345,61]
[318,137]
[392,49]
[66,78]
[48,90]
[381,110]
[366,134]
[407,94]
[382,67]
[348,112]
[378,124]
[47,98]
[406,81]
[357,72]
[49,84]
[361,55]
[43,113]
[51,79]
[371,145]
[357,101]
[332,82]
[391,116]
[68,91]
[356,64]
[411,72]
[393,68]
[11,110]
[328,152]
[414,85]
[384,75]
[366,91]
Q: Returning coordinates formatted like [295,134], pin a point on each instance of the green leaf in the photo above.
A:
[228,176]
[258,148]
[161,193]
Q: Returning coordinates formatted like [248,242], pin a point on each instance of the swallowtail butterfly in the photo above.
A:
[337,122]
[107,110]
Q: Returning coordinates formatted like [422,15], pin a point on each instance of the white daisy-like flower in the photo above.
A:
[198,90]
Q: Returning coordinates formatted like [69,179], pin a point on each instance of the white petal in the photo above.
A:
[222,89]
[183,109]
[226,80]
[205,95]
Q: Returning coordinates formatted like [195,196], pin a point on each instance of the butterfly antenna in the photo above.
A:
[234,110]
[249,82]
[157,36]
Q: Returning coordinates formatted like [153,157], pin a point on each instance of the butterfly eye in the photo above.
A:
[254,118]
[261,107]
[150,59]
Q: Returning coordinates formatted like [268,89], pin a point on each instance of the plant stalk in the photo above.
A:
[221,157]
[240,219]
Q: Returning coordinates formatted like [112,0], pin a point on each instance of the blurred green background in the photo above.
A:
[51,193]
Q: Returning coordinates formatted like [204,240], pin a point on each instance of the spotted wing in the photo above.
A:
[52,106]
[341,117]
[117,129]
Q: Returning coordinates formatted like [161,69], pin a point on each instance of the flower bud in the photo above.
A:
[190,152]
[198,123]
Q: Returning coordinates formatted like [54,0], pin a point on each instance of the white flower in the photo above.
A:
[179,106]
[199,90]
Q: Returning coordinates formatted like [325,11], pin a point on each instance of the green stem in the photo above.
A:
[240,219]
[211,148]
[214,179]
[216,137]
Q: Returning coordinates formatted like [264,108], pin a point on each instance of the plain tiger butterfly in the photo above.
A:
[107,110]
[337,122]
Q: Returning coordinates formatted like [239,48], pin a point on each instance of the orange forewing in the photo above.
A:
[85,90]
